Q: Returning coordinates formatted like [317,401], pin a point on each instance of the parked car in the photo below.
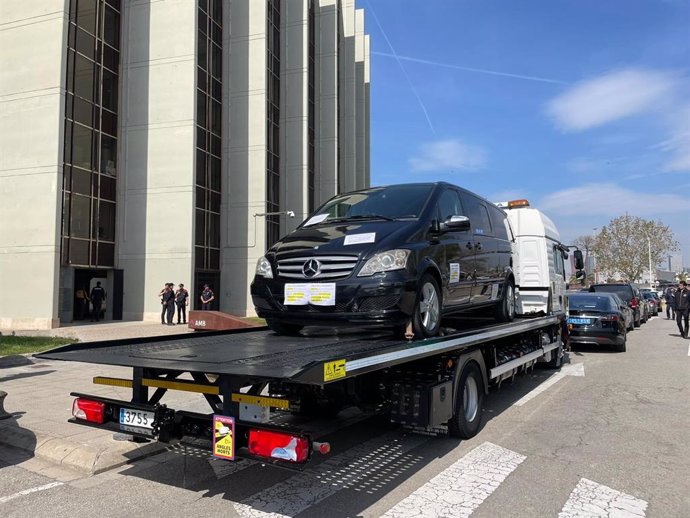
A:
[627,312]
[597,318]
[630,295]
[389,256]
[652,301]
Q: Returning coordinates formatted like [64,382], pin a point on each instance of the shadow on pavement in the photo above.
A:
[17,444]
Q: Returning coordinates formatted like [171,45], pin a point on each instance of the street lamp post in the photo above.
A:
[649,252]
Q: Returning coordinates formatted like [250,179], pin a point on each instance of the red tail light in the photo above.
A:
[92,411]
[276,445]
[633,303]
[612,318]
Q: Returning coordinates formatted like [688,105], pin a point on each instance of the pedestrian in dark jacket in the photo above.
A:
[164,309]
[682,299]
[182,301]
[169,303]
[97,298]
[669,296]
[207,297]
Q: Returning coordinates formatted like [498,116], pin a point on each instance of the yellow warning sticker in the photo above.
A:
[224,437]
[334,370]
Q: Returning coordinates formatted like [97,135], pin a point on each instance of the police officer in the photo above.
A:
[97,298]
[164,309]
[207,297]
[168,301]
[182,301]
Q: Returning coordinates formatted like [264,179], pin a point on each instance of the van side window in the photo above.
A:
[478,214]
[499,222]
[449,205]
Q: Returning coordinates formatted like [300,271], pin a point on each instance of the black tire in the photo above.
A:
[621,347]
[281,328]
[426,319]
[505,310]
[638,322]
[469,402]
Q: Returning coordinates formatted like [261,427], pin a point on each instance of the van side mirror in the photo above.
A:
[456,223]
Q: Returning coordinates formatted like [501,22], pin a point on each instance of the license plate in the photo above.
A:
[572,320]
[138,418]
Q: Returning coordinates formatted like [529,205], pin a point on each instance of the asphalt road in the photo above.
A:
[607,436]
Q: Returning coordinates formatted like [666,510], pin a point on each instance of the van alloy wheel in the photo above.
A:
[426,320]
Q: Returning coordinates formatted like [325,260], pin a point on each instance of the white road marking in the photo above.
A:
[595,500]
[5,499]
[688,349]
[366,467]
[458,490]
[573,369]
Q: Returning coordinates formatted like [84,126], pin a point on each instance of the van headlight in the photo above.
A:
[263,268]
[385,262]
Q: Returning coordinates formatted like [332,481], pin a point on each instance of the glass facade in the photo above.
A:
[90,158]
[272,120]
[209,111]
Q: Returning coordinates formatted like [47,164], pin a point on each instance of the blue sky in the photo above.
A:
[583,107]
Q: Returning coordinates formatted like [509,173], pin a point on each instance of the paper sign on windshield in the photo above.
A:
[358,239]
[316,219]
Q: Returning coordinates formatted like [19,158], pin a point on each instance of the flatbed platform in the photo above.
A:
[260,353]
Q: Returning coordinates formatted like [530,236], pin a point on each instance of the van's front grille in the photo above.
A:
[326,267]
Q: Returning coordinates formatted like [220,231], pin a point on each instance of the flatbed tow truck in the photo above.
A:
[252,379]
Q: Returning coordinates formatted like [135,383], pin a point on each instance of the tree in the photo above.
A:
[622,246]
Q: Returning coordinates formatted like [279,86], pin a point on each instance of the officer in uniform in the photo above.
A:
[182,301]
[207,297]
[169,303]
[97,298]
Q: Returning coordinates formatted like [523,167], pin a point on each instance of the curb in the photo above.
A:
[83,458]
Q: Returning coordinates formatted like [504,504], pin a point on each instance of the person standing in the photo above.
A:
[669,295]
[207,297]
[164,309]
[682,300]
[182,301]
[82,303]
[169,303]
[97,298]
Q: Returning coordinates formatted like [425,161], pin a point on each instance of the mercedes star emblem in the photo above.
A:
[311,268]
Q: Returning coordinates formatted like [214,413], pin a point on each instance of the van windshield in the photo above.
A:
[392,202]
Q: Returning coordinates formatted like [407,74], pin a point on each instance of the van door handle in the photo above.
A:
[478,246]
[469,245]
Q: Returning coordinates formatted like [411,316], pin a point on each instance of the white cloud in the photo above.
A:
[610,97]
[609,199]
[448,155]
[678,145]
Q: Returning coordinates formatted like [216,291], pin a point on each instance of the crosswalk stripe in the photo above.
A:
[366,467]
[592,500]
[460,489]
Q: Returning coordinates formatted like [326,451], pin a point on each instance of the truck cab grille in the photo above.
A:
[317,267]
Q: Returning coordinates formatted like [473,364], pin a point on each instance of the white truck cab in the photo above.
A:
[538,260]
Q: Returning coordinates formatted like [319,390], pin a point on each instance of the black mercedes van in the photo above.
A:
[388,256]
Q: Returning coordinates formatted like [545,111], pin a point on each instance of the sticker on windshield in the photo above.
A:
[358,239]
[454,273]
[316,219]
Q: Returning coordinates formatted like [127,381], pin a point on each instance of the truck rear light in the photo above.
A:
[277,445]
[324,448]
[92,411]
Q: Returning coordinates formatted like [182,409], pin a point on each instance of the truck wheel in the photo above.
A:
[505,310]
[426,320]
[468,403]
[281,328]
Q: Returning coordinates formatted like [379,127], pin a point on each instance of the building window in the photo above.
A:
[209,111]
[90,162]
[272,120]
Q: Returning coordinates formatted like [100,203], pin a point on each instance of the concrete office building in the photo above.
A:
[145,142]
